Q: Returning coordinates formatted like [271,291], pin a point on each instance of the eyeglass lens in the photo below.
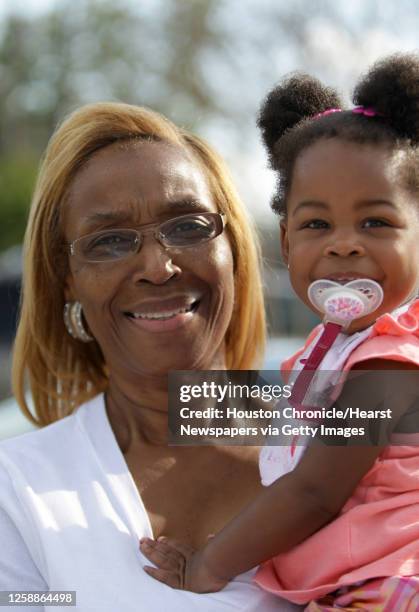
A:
[187,230]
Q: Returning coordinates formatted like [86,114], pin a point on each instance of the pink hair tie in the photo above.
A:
[329,111]
[367,111]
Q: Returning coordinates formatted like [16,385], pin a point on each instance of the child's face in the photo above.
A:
[349,217]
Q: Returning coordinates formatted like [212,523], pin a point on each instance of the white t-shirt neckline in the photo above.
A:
[111,460]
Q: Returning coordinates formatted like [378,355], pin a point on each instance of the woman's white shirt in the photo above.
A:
[71,518]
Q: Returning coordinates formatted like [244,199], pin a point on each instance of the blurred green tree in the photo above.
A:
[17,176]
[86,51]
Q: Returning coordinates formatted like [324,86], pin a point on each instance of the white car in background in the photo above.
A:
[13,423]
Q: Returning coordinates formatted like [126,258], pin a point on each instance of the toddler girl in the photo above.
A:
[337,526]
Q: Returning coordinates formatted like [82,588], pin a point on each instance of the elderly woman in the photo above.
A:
[138,260]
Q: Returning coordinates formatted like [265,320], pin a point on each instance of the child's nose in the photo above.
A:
[344,248]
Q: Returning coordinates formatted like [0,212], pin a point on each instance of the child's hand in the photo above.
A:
[179,566]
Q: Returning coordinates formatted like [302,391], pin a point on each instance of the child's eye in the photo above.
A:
[375,223]
[315,224]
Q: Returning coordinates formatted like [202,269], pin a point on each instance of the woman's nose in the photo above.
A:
[344,248]
[154,263]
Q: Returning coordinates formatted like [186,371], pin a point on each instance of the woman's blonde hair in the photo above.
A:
[63,372]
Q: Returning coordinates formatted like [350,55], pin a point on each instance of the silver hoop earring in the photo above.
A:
[74,323]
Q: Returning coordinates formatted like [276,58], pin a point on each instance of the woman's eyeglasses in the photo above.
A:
[179,232]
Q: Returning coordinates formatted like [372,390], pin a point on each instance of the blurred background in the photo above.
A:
[206,64]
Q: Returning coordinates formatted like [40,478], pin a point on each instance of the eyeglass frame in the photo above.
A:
[152,229]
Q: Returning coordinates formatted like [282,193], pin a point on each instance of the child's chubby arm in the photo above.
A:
[283,515]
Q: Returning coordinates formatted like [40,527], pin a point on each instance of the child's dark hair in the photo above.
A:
[391,88]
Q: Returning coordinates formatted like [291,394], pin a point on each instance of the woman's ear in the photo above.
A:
[284,242]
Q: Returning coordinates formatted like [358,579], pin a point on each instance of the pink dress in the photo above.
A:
[376,533]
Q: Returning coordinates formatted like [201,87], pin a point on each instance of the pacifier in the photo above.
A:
[342,304]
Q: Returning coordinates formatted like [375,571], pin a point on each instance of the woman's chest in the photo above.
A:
[190,502]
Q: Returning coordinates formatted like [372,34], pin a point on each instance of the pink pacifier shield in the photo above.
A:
[344,303]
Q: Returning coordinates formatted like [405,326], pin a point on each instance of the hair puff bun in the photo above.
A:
[298,97]
[391,87]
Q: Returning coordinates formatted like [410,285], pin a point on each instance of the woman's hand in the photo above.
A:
[179,566]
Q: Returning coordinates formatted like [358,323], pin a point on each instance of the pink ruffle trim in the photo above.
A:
[406,323]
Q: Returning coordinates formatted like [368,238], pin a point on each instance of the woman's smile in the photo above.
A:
[166,314]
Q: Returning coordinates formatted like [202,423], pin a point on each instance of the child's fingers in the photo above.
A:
[165,546]
[161,546]
[172,544]
[168,577]
[164,557]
